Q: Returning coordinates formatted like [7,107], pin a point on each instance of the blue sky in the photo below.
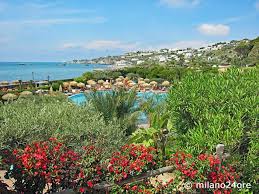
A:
[59,30]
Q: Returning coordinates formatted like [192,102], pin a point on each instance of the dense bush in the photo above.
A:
[51,166]
[156,72]
[39,118]
[208,109]
[43,163]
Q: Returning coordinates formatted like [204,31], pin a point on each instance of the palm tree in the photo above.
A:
[117,106]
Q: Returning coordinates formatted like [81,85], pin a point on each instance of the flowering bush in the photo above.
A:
[201,169]
[51,166]
[43,165]
[132,160]
[92,169]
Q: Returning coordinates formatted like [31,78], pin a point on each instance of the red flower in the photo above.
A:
[134,188]
[90,184]
[81,190]
[202,157]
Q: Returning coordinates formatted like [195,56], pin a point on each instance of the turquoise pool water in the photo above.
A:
[81,99]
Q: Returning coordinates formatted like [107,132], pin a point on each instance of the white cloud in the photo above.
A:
[180,3]
[257,5]
[214,29]
[102,45]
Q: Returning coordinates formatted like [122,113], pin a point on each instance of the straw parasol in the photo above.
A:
[166,83]
[140,79]
[60,88]
[4,83]
[91,82]
[141,82]
[25,94]
[120,84]
[9,96]
[118,80]
[65,84]
[121,77]
[146,85]
[81,85]
[147,80]
[153,83]
[101,82]
[15,82]
[73,84]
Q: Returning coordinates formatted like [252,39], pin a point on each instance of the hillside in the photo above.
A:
[237,53]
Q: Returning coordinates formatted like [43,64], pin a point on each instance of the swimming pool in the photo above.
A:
[81,99]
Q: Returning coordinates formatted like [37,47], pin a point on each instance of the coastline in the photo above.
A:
[42,71]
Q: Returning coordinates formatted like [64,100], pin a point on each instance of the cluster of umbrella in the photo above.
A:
[90,84]
[11,96]
[6,83]
[142,83]
[119,82]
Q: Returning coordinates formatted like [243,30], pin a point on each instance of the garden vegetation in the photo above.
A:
[44,139]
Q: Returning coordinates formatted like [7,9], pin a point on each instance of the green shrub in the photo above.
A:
[55,86]
[39,118]
[117,106]
[80,79]
[207,109]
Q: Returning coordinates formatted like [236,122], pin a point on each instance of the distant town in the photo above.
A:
[222,53]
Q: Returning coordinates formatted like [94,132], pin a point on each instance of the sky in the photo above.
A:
[61,30]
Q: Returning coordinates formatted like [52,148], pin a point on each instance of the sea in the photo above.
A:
[37,71]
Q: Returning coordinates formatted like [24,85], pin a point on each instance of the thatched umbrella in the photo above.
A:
[25,94]
[73,84]
[146,85]
[118,80]
[4,83]
[141,82]
[65,84]
[119,84]
[166,84]
[9,96]
[101,82]
[140,79]
[60,88]
[16,82]
[147,80]
[81,85]
[153,83]
[91,82]
[121,77]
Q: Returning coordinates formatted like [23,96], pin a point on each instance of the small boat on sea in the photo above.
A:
[21,64]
